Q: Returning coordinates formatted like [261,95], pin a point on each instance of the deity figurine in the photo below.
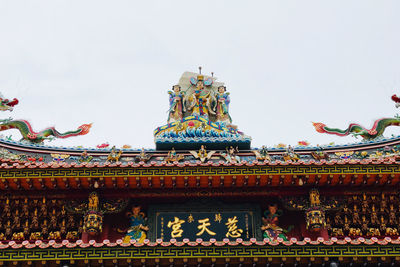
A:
[356,216]
[374,216]
[25,208]
[270,223]
[53,220]
[290,154]
[7,208]
[222,109]
[338,219]
[93,203]
[71,221]
[138,225]
[262,154]
[382,225]
[114,155]
[364,224]
[26,228]
[199,102]
[230,155]
[392,215]
[176,107]
[17,221]
[173,156]
[143,157]
[202,154]
[8,229]
[35,219]
[85,157]
[43,208]
[364,203]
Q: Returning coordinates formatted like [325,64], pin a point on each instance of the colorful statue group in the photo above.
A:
[201,101]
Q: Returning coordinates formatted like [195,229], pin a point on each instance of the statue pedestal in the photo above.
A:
[194,131]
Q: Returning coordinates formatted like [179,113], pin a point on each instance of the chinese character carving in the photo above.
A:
[233,230]
[218,217]
[176,227]
[190,218]
[204,223]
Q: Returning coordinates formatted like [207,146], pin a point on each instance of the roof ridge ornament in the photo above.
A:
[25,128]
[355,129]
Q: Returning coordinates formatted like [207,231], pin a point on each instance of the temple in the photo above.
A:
[202,197]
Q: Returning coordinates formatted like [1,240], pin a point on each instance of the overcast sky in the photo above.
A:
[285,63]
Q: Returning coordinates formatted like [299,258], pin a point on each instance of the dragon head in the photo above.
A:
[85,128]
[319,127]
[6,104]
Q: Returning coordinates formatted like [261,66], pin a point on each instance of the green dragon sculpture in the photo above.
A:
[357,130]
[26,130]
[28,134]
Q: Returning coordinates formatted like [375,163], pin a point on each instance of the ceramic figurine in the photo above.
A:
[138,225]
[222,109]
[262,154]
[199,102]
[143,157]
[173,156]
[290,154]
[85,157]
[270,223]
[230,155]
[114,155]
[202,154]
[176,107]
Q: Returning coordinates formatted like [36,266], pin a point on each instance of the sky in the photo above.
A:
[285,64]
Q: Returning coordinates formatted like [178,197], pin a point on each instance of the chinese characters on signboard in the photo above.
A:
[205,225]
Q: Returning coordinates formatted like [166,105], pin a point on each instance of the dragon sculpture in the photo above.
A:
[26,130]
[6,104]
[28,134]
[355,129]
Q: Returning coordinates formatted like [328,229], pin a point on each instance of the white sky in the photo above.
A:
[285,63]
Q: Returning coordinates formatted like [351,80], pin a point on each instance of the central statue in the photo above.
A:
[198,115]
[199,95]
[200,101]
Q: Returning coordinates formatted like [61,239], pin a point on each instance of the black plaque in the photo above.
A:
[204,220]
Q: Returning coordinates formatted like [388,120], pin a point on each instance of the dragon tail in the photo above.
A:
[82,130]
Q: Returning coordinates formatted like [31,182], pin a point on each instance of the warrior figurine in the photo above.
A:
[138,225]
[270,223]
[114,155]
[173,156]
[142,157]
[231,155]
[176,107]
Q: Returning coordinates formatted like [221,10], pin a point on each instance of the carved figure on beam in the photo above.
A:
[137,225]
